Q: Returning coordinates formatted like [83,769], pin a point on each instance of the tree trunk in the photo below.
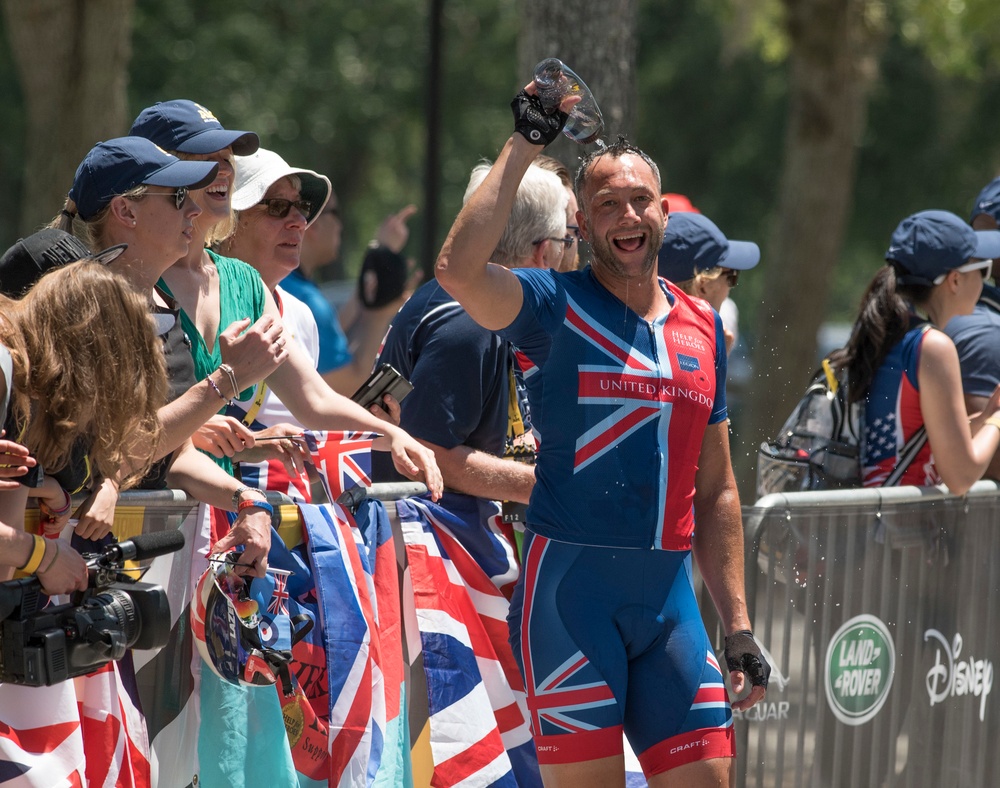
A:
[832,67]
[72,61]
[595,38]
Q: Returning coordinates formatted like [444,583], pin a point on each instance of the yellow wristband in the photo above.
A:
[37,553]
[994,420]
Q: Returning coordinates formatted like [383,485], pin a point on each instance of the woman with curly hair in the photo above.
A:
[79,357]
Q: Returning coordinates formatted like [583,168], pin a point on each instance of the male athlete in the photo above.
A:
[630,399]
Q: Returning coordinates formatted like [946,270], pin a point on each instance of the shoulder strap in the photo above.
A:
[906,457]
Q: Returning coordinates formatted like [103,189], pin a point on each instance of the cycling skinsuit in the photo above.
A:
[606,629]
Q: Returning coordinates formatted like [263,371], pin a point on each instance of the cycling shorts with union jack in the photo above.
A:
[610,639]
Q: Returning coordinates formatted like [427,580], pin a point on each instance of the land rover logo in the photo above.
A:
[860,662]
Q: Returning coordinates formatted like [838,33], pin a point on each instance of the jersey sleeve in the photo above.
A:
[719,410]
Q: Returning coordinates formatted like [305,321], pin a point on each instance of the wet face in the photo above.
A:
[622,217]
[271,244]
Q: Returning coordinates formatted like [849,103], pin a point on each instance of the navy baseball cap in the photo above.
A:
[185,126]
[113,167]
[988,201]
[692,243]
[930,243]
[24,263]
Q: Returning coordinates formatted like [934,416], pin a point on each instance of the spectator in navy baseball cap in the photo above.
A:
[986,209]
[129,190]
[905,371]
[190,131]
[187,127]
[697,257]
[928,245]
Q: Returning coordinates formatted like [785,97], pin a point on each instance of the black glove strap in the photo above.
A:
[531,121]
[743,654]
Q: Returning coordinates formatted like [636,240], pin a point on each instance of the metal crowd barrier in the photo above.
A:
[879,612]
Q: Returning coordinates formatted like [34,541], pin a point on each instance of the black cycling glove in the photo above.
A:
[743,653]
[532,122]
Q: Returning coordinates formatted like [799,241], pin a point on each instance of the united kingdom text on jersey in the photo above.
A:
[623,405]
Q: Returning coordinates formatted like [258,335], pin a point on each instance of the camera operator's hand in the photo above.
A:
[15,460]
[252,529]
[62,569]
[392,415]
[96,515]
[54,506]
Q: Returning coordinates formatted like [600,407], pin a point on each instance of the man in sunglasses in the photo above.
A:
[975,335]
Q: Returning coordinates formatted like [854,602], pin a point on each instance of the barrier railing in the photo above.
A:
[879,611]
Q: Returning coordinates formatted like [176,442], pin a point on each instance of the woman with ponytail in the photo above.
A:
[905,370]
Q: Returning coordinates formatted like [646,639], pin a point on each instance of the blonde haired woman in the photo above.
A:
[80,358]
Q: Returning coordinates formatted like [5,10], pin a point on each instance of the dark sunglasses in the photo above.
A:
[179,194]
[574,230]
[566,242]
[279,208]
[732,276]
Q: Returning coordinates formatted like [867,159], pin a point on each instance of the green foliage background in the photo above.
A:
[340,87]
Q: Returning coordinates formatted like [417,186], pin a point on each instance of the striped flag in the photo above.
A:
[343,459]
[459,565]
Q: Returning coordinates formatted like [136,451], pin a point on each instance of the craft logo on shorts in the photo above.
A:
[860,662]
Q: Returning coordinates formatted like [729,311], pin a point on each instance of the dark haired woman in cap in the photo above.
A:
[906,371]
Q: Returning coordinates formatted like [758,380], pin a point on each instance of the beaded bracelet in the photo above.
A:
[217,390]
[37,553]
[228,370]
[242,489]
[254,504]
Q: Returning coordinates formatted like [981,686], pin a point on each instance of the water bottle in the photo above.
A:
[554,81]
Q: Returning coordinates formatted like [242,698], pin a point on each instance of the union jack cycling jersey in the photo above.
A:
[622,405]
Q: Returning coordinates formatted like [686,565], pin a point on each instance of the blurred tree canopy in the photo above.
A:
[340,87]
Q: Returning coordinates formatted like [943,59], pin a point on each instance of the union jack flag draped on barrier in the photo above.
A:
[88,730]
[459,566]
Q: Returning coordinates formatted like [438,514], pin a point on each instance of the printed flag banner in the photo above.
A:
[458,565]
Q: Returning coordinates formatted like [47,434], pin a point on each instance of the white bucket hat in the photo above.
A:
[256,173]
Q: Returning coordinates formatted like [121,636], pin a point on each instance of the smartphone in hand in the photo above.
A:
[384,380]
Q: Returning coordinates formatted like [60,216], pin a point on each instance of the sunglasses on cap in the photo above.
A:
[279,208]
[179,194]
[984,266]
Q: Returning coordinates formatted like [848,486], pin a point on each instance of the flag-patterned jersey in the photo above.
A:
[892,415]
[622,405]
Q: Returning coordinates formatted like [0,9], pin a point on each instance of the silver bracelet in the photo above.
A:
[228,370]
[242,489]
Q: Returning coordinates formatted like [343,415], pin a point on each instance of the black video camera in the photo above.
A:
[40,647]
